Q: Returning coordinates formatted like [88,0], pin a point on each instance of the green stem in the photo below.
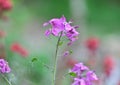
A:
[56,59]
[47,66]
[5,78]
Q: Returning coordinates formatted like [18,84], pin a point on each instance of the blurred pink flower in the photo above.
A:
[71,62]
[109,64]
[2,34]
[92,44]
[5,5]
[118,82]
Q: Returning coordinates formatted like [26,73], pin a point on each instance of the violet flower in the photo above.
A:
[78,81]
[84,76]
[66,53]
[4,67]
[59,25]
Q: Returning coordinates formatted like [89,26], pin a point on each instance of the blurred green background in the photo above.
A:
[95,17]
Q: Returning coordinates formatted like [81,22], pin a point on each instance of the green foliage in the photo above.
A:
[72,74]
[34,59]
[60,43]
[70,51]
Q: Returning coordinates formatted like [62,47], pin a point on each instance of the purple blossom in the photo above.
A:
[59,25]
[78,81]
[84,75]
[72,34]
[66,53]
[91,75]
[4,67]
[48,32]
[79,68]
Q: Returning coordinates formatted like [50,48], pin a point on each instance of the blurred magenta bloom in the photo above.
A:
[4,67]
[59,25]
[17,48]
[5,5]
[84,76]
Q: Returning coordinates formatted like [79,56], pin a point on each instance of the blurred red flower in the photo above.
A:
[71,62]
[2,34]
[5,5]
[109,64]
[16,47]
[92,44]
[118,82]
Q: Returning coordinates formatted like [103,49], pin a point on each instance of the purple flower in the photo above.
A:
[78,81]
[72,34]
[4,67]
[66,53]
[91,75]
[59,25]
[48,32]
[79,68]
[84,76]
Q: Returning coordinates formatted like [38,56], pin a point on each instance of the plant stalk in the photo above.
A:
[56,59]
[5,78]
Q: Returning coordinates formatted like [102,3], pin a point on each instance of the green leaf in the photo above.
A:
[70,51]
[72,74]
[60,43]
[34,59]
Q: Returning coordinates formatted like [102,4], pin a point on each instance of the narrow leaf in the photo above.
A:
[72,74]
[34,59]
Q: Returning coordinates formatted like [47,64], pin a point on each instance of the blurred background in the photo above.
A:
[99,21]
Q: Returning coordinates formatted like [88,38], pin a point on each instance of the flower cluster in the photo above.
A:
[5,5]
[84,76]
[16,47]
[4,67]
[59,25]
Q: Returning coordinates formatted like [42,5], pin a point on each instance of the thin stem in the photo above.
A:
[47,66]
[55,62]
[5,78]
[64,76]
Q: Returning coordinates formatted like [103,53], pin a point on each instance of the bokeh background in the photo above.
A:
[96,18]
